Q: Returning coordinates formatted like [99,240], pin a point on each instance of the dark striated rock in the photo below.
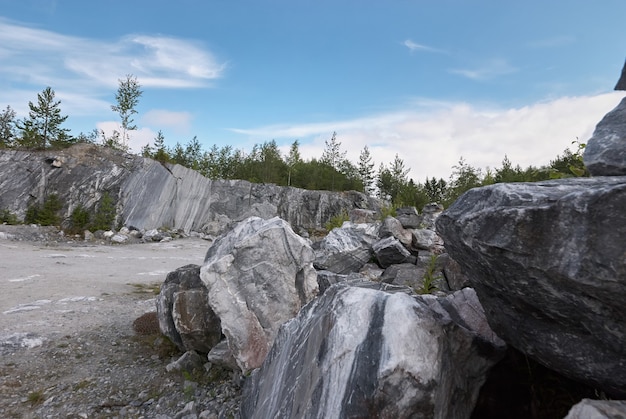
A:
[547,262]
[150,195]
[621,83]
[605,152]
[258,276]
[184,314]
[359,352]
[326,279]
[390,251]
[392,227]
[408,217]
[429,216]
[424,239]
[346,249]
[407,274]
[454,278]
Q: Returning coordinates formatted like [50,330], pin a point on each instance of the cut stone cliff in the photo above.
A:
[150,195]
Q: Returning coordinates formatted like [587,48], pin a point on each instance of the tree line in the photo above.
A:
[42,129]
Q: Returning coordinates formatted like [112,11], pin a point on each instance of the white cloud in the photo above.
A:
[78,67]
[431,142]
[414,46]
[179,121]
[485,71]
[137,138]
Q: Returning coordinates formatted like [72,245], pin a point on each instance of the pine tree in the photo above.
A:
[7,127]
[333,156]
[43,125]
[292,159]
[366,170]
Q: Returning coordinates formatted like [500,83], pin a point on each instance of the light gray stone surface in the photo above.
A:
[258,276]
[360,352]
[598,409]
[605,151]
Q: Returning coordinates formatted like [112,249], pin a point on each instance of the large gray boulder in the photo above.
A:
[183,311]
[547,262]
[258,276]
[359,352]
[605,152]
[390,251]
[346,249]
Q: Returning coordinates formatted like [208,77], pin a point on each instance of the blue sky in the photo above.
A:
[430,81]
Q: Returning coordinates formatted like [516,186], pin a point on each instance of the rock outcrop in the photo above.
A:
[151,195]
[258,276]
[360,352]
[184,315]
[598,409]
[346,249]
[605,152]
[547,262]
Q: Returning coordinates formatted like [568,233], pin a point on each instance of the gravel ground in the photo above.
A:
[68,348]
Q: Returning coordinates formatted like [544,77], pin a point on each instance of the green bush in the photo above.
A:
[105,213]
[46,214]
[8,217]
[430,278]
[387,211]
[337,221]
[80,219]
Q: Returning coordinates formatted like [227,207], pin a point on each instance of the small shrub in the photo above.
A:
[8,217]
[32,213]
[80,219]
[49,214]
[337,220]
[387,211]
[46,214]
[105,213]
[430,278]
[35,397]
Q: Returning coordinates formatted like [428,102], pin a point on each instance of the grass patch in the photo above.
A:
[157,344]
[429,285]
[337,220]
[153,289]
[81,385]
[35,397]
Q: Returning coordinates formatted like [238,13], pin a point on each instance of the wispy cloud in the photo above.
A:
[76,67]
[485,71]
[414,46]
[431,139]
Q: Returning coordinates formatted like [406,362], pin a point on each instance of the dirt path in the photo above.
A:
[67,345]
[60,288]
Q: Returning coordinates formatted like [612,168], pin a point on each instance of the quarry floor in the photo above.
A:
[67,344]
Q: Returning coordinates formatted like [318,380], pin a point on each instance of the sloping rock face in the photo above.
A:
[258,276]
[150,195]
[548,264]
[605,152]
[360,352]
